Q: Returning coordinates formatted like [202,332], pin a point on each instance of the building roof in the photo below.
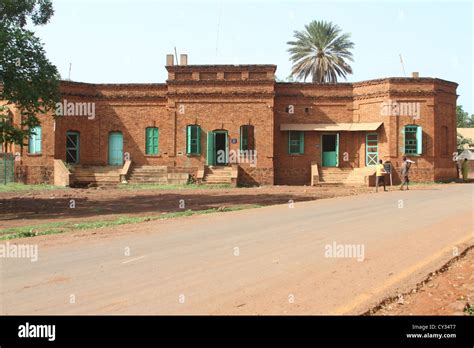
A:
[467,133]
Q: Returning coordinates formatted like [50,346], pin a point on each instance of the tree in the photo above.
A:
[461,141]
[321,51]
[27,78]
[463,118]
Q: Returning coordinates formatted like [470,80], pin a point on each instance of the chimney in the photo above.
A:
[169,60]
[415,75]
[183,59]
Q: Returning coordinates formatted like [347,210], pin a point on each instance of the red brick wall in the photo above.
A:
[249,95]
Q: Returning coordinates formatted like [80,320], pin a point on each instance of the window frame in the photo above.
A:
[151,137]
[35,141]
[193,142]
[416,146]
[300,142]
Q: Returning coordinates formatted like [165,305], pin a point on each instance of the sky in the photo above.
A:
[126,41]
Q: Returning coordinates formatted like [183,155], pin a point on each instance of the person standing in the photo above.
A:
[380,176]
[404,172]
[465,170]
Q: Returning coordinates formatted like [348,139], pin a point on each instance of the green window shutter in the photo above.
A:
[244,138]
[38,140]
[188,139]
[301,142]
[210,149]
[193,140]
[148,141]
[151,141]
[34,140]
[31,143]
[156,141]
[419,140]
[289,142]
[198,139]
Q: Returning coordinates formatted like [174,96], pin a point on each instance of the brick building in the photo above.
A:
[287,133]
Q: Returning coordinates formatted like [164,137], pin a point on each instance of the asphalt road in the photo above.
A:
[271,260]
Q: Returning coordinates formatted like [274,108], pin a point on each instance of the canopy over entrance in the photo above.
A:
[331,127]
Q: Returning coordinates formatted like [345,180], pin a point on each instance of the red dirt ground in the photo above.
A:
[446,293]
[37,207]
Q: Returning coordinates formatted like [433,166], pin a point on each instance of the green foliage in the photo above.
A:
[61,227]
[321,51]
[461,141]
[19,187]
[28,79]
[463,118]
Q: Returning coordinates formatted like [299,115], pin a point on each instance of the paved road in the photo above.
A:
[269,260]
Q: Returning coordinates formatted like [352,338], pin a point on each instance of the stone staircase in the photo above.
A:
[345,176]
[156,175]
[148,175]
[216,175]
[95,175]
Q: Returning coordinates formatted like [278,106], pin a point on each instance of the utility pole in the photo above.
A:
[69,75]
[403,67]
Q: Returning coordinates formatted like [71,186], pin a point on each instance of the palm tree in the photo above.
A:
[322,52]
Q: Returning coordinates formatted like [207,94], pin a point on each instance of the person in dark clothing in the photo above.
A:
[404,172]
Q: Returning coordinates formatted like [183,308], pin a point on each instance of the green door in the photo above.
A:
[72,147]
[115,149]
[210,148]
[371,149]
[330,149]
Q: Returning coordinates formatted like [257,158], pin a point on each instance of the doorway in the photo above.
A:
[72,147]
[115,149]
[217,148]
[371,149]
[330,149]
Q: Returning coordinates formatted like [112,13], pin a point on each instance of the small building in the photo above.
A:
[214,123]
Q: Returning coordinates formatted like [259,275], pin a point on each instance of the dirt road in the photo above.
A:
[270,260]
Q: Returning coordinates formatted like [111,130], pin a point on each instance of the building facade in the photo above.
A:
[238,115]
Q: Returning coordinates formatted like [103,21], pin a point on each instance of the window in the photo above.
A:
[247,141]
[295,142]
[193,140]
[34,141]
[151,143]
[413,140]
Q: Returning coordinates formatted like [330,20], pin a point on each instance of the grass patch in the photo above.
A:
[18,187]
[61,227]
[457,181]
[172,186]
[469,310]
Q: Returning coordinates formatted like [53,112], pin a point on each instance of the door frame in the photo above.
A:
[109,148]
[367,152]
[337,149]
[212,135]
[78,145]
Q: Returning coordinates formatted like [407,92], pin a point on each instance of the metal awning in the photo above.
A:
[331,127]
